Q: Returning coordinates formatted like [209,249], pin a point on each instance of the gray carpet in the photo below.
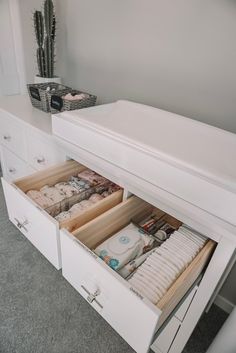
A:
[41,313]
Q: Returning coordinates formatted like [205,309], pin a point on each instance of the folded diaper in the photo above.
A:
[92,177]
[53,193]
[66,189]
[123,246]
[80,184]
[39,198]
[161,268]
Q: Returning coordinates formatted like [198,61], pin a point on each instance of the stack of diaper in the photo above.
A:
[158,272]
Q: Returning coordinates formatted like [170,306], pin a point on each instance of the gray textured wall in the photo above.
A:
[177,55]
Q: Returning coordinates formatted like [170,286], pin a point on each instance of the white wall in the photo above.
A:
[9,79]
[177,55]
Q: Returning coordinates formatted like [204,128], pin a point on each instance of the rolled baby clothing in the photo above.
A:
[53,193]
[86,204]
[105,193]
[63,216]
[66,189]
[81,206]
[80,184]
[77,208]
[92,177]
[39,198]
[96,198]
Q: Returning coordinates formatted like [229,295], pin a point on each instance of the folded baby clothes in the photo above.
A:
[39,198]
[123,246]
[75,97]
[53,193]
[80,184]
[66,189]
[92,177]
[95,198]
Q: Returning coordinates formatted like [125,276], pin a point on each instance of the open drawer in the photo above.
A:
[35,223]
[133,316]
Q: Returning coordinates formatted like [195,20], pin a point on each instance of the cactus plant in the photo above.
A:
[45,33]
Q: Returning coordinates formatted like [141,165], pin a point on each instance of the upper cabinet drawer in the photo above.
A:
[120,303]
[14,167]
[42,151]
[12,135]
[38,224]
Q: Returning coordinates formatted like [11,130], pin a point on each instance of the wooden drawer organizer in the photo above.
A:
[134,317]
[34,222]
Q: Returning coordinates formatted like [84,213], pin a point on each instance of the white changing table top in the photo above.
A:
[198,147]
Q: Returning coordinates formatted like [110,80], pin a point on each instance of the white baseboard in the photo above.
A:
[224,304]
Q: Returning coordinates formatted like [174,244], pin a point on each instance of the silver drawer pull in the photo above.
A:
[21,225]
[7,137]
[12,170]
[92,296]
[40,160]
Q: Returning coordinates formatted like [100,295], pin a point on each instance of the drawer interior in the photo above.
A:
[61,173]
[136,210]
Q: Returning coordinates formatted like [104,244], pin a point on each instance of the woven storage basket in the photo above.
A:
[59,104]
[38,93]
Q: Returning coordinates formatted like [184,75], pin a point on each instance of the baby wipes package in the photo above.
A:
[124,246]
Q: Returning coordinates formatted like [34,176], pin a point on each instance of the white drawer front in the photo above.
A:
[35,224]
[130,315]
[12,135]
[134,317]
[42,152]
[14,167]
[166,337]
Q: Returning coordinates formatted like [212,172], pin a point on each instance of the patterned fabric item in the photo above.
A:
[96,198]
[53,193]
[92,177]
[67,189]
[63,216]
[80,184]
[39,198]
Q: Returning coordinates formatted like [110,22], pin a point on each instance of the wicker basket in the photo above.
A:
[38,93]
[58,103]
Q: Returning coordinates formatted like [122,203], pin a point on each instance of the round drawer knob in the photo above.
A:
[12,170]
[40,160]
[7,137]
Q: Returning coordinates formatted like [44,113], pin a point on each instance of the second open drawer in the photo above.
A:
[133,316]
[34,222]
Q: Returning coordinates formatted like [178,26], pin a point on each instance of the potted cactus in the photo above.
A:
[45,33]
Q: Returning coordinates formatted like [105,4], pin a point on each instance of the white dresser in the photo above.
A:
[26,142]
[175,164]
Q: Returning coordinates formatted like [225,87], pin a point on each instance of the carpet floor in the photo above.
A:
[41,313]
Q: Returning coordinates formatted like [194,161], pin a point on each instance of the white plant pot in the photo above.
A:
[39,79]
